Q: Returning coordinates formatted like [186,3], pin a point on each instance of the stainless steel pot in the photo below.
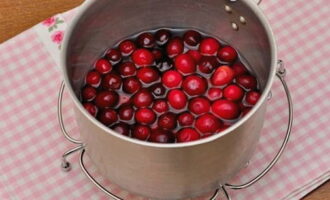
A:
[169,171]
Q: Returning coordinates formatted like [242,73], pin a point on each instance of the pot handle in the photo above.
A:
[60,117]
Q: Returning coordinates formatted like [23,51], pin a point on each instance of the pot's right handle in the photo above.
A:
[281,75]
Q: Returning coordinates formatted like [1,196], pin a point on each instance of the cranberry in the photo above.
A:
[252,97]
[141,132]
[162,36]
[148,74]
[131,85]
[209,46]
[214,94]
[185,64]
[158,55]
[143,98]
[186,119]
[207,123]
[187,135]
[239,69]
[165,64]
[108,116]
[161,136]
[93,78]
[121,128]
[222,76]
[111,82]
[127,47]
[245,111]
[145,116]
[106,99]
[113,55]
[192,38]
[207,64]
[158,90]
[146,40]
[233,92]
[247,81]
[126,113]
[177,99]
[91,108]
[227,54]
[127,69]
[88,93]
[172,79]
[225,109]
[195,55]
[103,66]
[143,57]
[174,47]
[160,106]
[194,85]
[167,121]
[199,105]
[222,128]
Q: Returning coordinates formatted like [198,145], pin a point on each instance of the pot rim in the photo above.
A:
[254,8]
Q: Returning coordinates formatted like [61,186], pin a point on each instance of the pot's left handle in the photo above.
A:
[60,117]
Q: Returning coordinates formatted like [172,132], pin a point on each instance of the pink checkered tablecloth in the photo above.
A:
[31,143]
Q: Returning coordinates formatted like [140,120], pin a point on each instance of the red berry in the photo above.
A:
[252,97]
[157,54]
[113,55]
[194,85]
[239,69]
[145,116]
[158,90]
[146,40]
[247,81]
[187,135]
[148,74]
[192,38]
[121,128]
[127,69]
[103,66]
[88,93]
[141,132]
[227,54]
[186,119]
[207,123]
[207,64]
[199,105]
[172,79]
[209,46]
[162,36]
[93,78]
[126,113]
[225,109]
[111,82]
[160,106]
[131,85]
[177,99]
[185,64]
[127,47]
[222,76]
[214,94]
[108,116]
[167,121]
[91,108]
[143,57]
[233,92]
[174,47]
[106,99]
[161,136]
[143,98]
[195,55]
[245,111]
